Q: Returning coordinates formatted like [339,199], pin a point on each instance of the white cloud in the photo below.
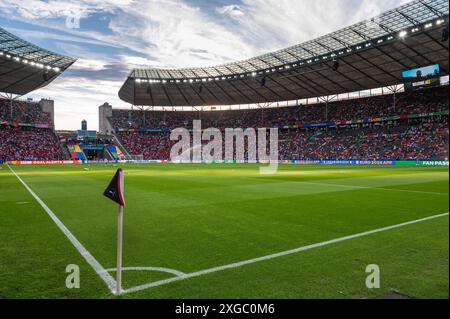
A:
[231,10]
[176,34]
[39,9]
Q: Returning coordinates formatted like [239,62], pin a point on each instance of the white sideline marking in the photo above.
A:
[104,275]
[159,269]
[284,253]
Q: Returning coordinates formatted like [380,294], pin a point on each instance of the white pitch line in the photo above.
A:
[158,269]
[268,257]
[104,275]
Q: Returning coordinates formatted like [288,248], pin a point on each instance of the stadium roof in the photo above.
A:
[369,54]
[25,67]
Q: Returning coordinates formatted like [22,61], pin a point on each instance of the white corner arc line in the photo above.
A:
[158,269]
[280,254]
[104,275]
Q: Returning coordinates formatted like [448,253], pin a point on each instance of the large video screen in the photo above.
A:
[420,73]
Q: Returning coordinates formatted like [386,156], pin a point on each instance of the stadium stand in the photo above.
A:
[29,144]
[424,140]
[76,152]
[24,112]
[28,134]
[115,152]
[425,101]
[419,129]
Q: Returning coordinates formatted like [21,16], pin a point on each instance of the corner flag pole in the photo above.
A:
[119,250]
[115,192]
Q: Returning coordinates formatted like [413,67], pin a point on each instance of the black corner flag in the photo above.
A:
[115,189]
[115,193]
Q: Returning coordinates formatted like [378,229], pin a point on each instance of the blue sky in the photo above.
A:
[115,36]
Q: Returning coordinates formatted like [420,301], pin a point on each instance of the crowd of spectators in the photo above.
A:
[151,146]
[422,139]
[23,112]
[29,144]
[426,140]
[26,143]
[426,101]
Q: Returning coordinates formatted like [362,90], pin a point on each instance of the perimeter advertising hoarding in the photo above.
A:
[42,162]
[292,162]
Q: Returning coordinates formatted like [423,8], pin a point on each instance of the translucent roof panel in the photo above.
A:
[15,46]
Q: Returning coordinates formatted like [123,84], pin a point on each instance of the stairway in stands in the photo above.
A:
[116,152]
[76,152]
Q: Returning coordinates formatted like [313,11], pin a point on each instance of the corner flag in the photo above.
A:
[114,191]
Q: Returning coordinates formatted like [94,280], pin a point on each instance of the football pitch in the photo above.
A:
[225,231]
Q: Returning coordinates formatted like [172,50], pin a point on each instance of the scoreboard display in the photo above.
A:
[423,77]
[422,73]
[410,86]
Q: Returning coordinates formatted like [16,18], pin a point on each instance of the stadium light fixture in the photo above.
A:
[440,21]
[428,25]
[403,34]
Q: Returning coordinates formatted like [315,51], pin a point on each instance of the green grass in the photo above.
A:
[195,217]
